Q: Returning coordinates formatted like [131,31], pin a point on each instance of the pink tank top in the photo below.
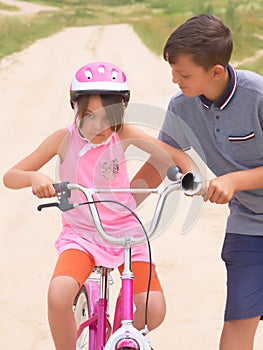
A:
[98,166]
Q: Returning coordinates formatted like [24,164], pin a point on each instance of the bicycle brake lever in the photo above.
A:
[46,205]
[63,205]
[63,193]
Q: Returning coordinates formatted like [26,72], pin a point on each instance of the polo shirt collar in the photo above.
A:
[228,93]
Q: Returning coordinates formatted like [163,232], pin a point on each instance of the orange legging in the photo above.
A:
[79,265]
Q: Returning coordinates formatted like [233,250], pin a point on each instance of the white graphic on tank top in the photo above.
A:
[110,169]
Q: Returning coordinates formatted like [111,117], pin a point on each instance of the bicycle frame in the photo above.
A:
[99,326]
[126,336]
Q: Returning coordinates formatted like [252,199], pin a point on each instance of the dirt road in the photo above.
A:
[34,102]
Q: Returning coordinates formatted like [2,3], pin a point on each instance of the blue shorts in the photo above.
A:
[243,256]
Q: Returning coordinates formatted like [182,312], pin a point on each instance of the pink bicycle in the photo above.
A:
[95,331]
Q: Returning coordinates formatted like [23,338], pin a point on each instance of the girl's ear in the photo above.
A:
[217,72]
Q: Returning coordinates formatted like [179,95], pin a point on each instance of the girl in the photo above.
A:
[91,152]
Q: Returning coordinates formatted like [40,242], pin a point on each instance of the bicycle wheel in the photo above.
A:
[82,313]
[127,344]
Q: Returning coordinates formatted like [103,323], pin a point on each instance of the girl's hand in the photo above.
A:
[221,189]
[42,185]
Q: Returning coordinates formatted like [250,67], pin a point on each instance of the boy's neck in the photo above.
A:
[219,88]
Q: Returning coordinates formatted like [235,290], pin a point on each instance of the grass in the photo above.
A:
[256,66]
[153,21]
[17,33]
[7,7]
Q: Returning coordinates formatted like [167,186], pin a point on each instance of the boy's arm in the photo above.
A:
[222,189]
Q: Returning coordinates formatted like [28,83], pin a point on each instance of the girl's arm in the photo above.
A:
[159,151]
[25,173]
[162,156]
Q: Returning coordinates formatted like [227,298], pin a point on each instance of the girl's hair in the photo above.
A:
[113,105]
[205,38]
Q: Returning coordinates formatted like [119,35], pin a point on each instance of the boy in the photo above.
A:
[224,109]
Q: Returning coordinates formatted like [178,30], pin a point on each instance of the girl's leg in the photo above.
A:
[156,302]
[61,294]
[72,269]
[156,310]
[239,334]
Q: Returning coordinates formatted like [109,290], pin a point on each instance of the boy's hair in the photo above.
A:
[114,107]
[205,38]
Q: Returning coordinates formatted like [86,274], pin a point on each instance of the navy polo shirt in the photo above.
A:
[228,135]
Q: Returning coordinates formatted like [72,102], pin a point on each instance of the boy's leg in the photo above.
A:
[239,335]
[72,269]
[243,256]
[156,303]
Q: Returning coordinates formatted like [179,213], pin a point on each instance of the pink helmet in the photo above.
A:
[99,78]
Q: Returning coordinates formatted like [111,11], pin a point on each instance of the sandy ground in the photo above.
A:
[34,101]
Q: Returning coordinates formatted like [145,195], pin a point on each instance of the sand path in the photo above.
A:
[34,101]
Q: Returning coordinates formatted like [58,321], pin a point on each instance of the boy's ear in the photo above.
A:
[217,72]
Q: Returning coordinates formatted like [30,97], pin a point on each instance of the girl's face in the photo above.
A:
[95,125]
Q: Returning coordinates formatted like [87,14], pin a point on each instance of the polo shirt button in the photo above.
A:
[217,117]
[217,129]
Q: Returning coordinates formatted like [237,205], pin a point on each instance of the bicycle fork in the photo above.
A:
[98,323]
[102,308]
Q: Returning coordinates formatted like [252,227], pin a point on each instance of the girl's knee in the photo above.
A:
[156,309]
[61,293]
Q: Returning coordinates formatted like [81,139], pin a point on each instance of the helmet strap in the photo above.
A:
[76,109]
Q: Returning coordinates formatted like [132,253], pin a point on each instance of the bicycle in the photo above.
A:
[95,331]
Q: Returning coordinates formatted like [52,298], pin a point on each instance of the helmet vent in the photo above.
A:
[88,74]
[114,74]
[101,70]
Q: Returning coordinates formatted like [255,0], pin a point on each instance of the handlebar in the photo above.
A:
[190,183]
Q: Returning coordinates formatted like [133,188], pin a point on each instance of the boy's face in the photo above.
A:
[192,79]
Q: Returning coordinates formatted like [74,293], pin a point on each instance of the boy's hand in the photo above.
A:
[42,185]
[220,189]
